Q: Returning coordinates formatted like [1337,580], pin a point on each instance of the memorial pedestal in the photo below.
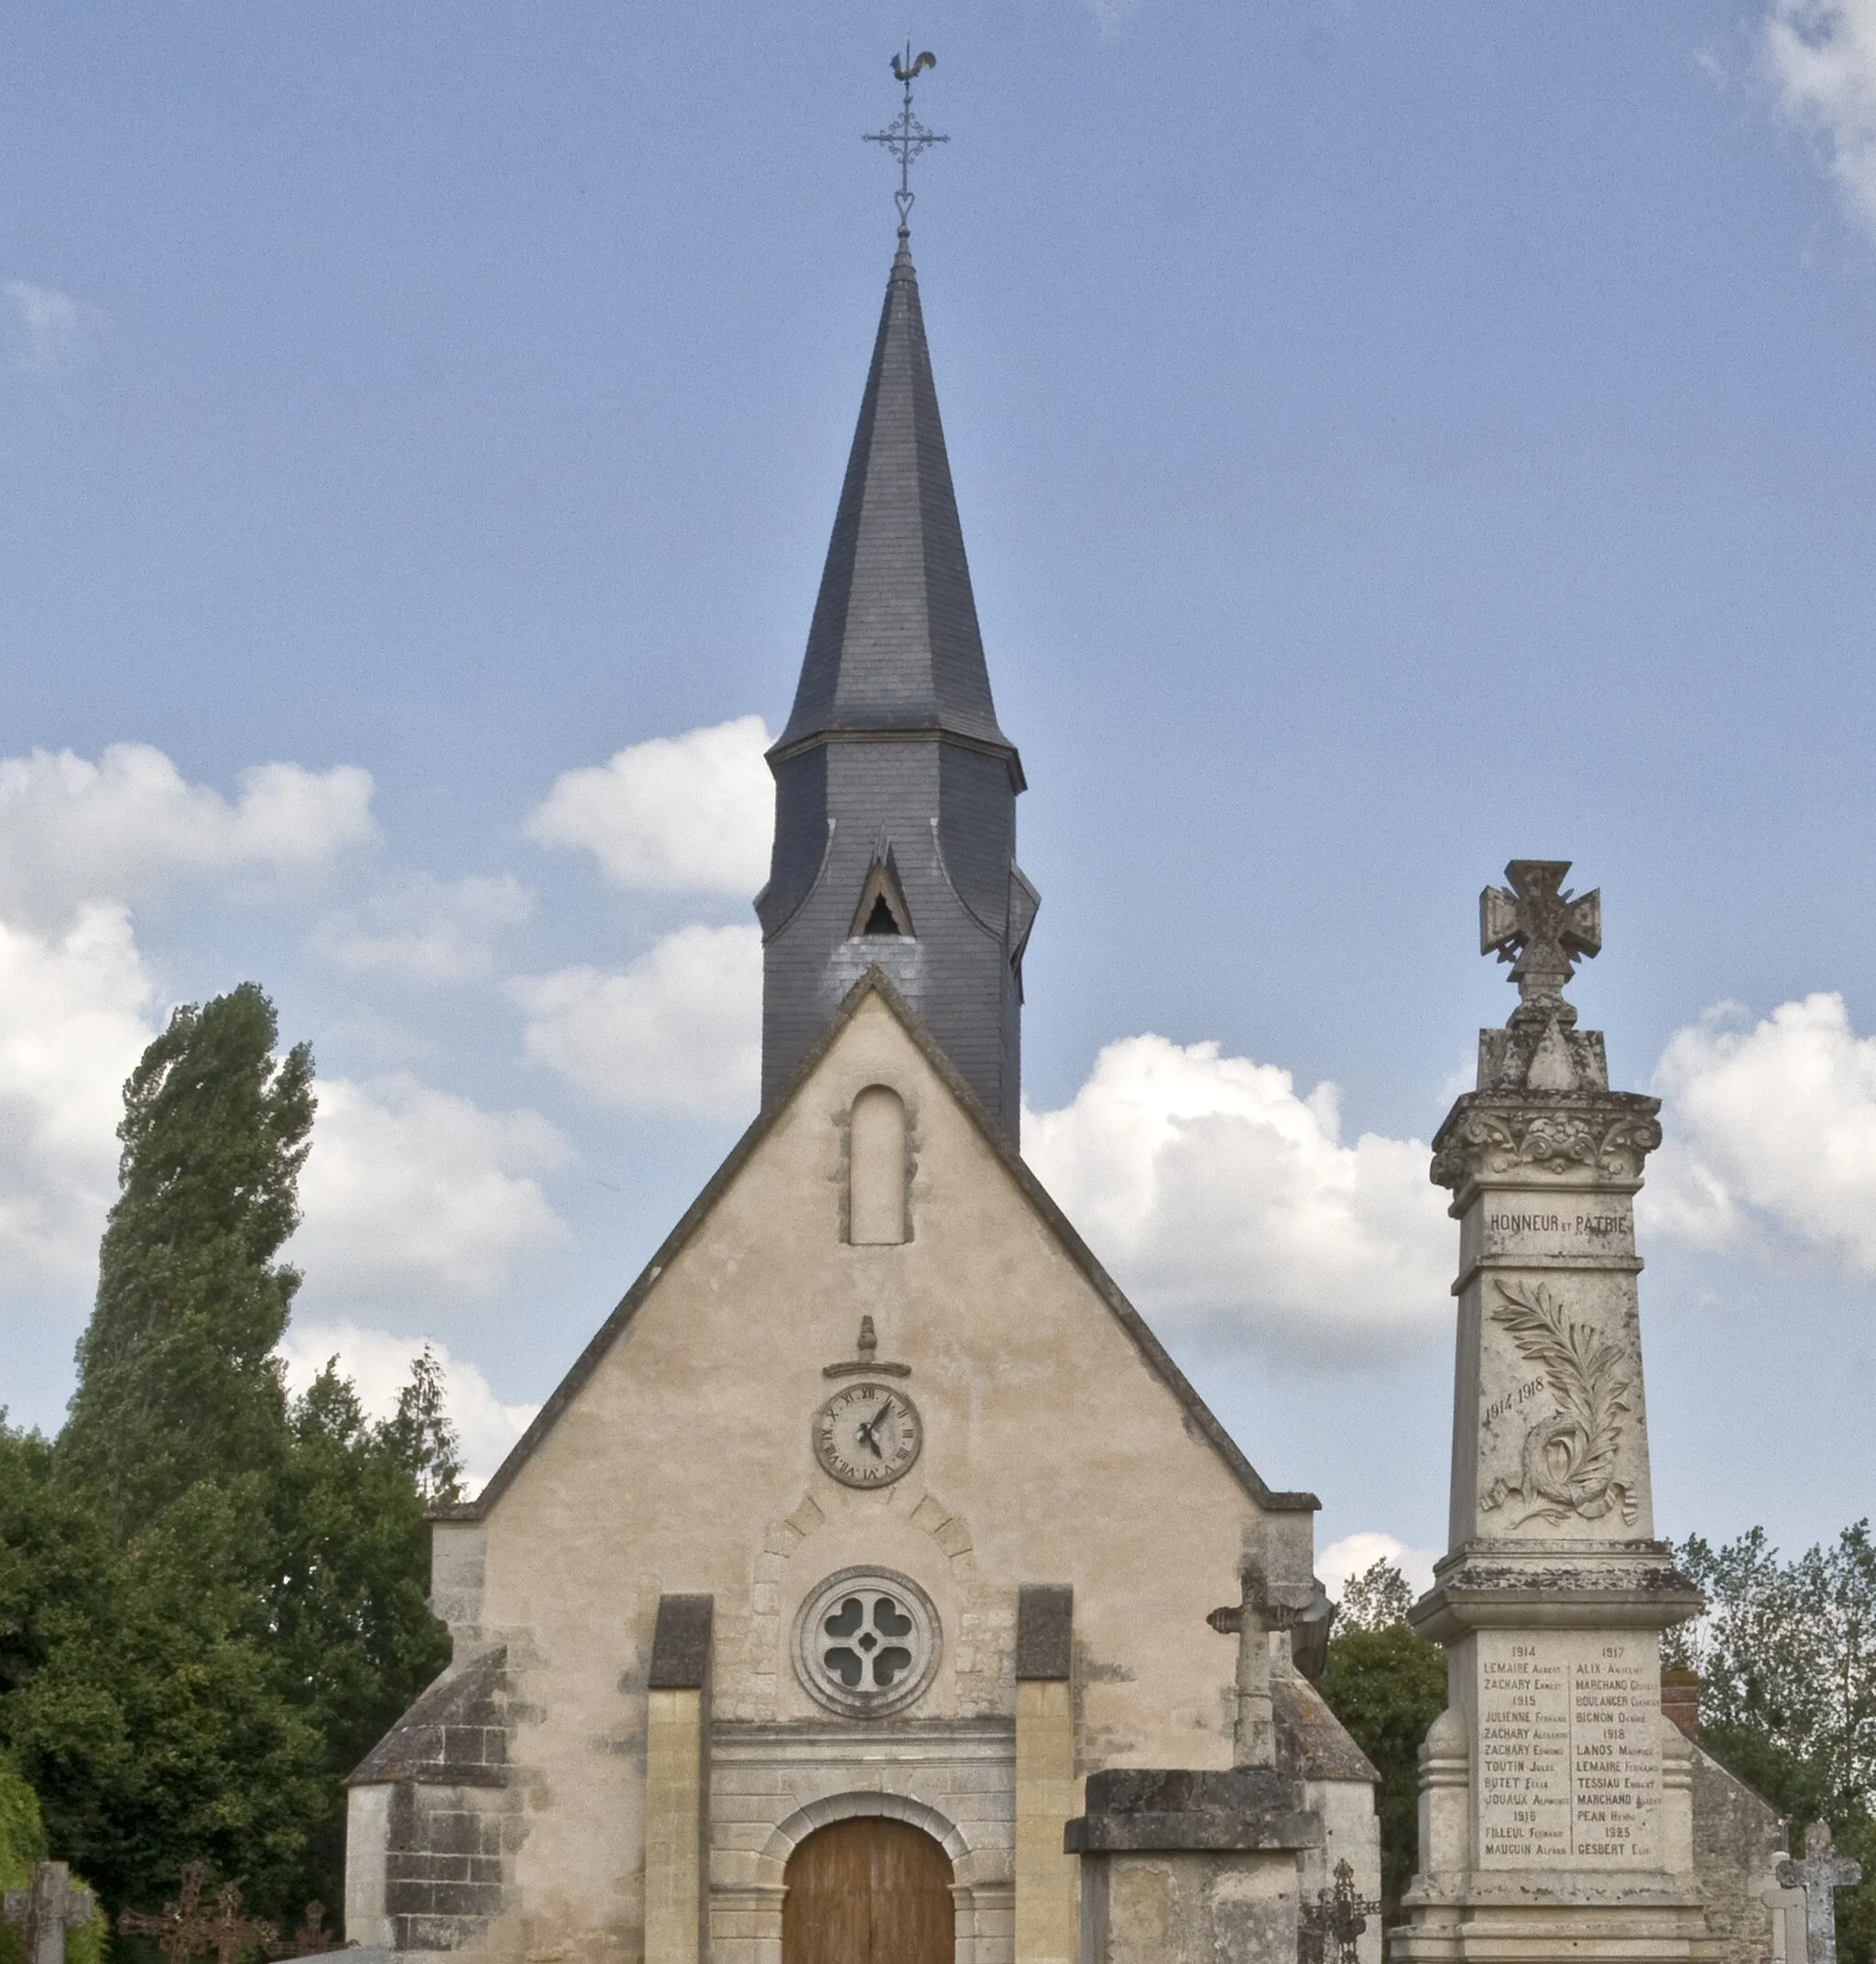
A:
[1556,1818]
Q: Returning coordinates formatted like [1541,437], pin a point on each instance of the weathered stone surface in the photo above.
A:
[1311,1743]
[680,1643]
[1140,1808]
[456,1735]
[1044,1631]
[1060,1442]
[1738,1840]
[1555,1816]
[1169,1907]
[1564,1139]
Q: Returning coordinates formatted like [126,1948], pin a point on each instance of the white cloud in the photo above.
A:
[1771,1134]
[75,1014]
[1355,1554]
[120,829]
[378,1364]
[1229,1205]
[680,1030]
[1111,15]
[409,1191]
[54,327]
[425,928]
[1822,57]
[678,814]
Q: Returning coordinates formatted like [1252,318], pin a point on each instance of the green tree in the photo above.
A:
[212,1598]
[22,1846]
[1387,1687]
[1786,1655]
[351,1637]
[177,1381]
[153,1725]
[1377,1598]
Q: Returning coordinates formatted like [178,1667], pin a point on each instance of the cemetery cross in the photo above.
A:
[45,1909]
[1820,1875]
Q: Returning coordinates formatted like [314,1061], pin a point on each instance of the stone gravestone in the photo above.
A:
[45,1909]
[1821,1873]
[1555,1812]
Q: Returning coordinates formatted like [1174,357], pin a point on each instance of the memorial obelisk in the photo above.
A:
[1555,1810]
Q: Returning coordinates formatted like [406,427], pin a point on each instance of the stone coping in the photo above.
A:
[1167,1809]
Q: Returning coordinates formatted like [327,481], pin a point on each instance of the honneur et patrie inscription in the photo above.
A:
[1569,1750]
[1589,1231]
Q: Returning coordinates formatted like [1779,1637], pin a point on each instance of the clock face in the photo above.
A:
[868,1434]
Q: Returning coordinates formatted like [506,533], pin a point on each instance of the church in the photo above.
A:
[875,1585]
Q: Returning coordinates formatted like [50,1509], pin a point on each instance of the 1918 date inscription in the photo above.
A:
[1569,1750]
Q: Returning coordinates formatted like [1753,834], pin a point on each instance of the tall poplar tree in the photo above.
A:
[176,1381]
[212,1600]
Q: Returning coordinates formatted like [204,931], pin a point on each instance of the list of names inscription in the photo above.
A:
[1569,1749]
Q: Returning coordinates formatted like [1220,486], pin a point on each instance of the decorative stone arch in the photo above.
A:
[981,1886]
[789,1833]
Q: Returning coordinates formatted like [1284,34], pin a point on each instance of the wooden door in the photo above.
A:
[868,1891]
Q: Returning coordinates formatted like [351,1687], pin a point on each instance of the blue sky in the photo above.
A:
[1389,440]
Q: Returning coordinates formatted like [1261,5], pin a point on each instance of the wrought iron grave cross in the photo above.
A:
[908,138]
[45,1909]
[185,1928]
[180,1929]
[1820,1875]
[1329,1929]
[231,1934]
[1541,931]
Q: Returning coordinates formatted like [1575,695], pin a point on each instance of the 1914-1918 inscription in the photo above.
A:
[1569,1750]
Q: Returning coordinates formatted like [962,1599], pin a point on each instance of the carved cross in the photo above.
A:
[1820,1875]
[1541,929]
[45,1909]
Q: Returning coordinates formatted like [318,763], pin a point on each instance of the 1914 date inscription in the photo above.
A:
[1569,1750]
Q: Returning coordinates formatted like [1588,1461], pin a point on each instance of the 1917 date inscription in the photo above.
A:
[1569,1750]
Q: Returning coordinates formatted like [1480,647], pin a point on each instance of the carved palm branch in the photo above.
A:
[1583,1371]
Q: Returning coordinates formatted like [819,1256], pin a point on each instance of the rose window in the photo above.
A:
[867,1641]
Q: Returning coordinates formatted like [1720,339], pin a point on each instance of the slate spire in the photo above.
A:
[894,756]
[894,643]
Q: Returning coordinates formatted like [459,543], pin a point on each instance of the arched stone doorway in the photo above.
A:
[869,1890]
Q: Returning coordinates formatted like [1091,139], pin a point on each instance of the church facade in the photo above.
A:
[874,1584]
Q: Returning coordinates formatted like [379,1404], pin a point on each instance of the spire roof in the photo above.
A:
[894,644]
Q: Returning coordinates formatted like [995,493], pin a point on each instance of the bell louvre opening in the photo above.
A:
[882,912]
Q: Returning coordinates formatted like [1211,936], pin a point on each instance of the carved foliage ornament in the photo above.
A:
[1598,1141]
[1568,1458]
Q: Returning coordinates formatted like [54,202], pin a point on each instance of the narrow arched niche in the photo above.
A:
[876,1169]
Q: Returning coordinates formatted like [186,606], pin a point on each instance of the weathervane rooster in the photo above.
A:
[908,138]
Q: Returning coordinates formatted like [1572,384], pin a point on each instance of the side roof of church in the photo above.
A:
[875,982]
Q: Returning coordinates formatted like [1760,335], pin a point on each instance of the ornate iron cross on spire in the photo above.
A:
[908,138]
[1543,932]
